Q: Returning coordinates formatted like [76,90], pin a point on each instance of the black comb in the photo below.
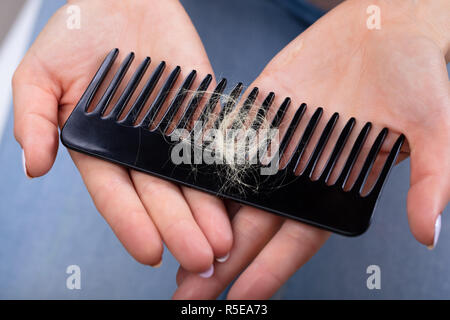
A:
[137,146]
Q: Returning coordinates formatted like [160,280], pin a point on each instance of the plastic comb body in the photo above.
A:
[136,145]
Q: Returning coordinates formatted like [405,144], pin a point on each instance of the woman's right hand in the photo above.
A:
[141,210]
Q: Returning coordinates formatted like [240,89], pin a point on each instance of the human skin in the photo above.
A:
[143,211]
[395,77]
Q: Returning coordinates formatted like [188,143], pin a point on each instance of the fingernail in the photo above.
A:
[25,166]
[224,258]
[157,265]
[208,273]
[437,231]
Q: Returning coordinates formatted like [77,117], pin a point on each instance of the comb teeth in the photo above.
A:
[93,86]
[370,159]
[275,124]
[145,93]
[353,155]
[212,102]
[176,102]
[129,89]
[194,102]
[112,88]
[343,137]
[229,105]
[292,165]
[160,99]
[262,111]
[245,108]
[280,113]
[376,189]
[123,142]
[209,106]
[320,145]
[290,130]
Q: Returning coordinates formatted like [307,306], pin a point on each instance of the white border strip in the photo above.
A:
[12,51]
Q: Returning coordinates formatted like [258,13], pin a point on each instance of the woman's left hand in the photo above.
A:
[394,77]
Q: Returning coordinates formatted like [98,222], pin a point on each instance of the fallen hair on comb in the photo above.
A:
[228,140]
[233,152]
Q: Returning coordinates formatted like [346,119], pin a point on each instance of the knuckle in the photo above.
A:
[151,187]
[307,236]
[256,225]
[270,274]
[247,227]
[102,195]
[174,228]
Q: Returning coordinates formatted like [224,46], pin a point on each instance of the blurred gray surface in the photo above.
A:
[49,223]
[8,12]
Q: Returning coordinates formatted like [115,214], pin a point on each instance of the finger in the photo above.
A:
[181,275]
[211,216]
[252,229]
[114,196]
[232,207]
[291,247]
[209,211]
[35,118]
[173,218]
[429,190]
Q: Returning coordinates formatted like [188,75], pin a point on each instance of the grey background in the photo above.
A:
[8,11]
[49,223]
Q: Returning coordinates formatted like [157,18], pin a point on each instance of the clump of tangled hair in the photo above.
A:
[238,139]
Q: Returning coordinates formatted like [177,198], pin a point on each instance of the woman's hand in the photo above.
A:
[141,210]
[395,77]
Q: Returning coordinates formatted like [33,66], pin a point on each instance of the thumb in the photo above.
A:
[429,191]
[35,117]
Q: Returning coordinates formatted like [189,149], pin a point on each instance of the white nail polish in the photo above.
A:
[437,231]
[24,166]
[208,273]
[224,258]
[157,265]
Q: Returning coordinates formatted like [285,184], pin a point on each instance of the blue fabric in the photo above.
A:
[49,223]
[302,10]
